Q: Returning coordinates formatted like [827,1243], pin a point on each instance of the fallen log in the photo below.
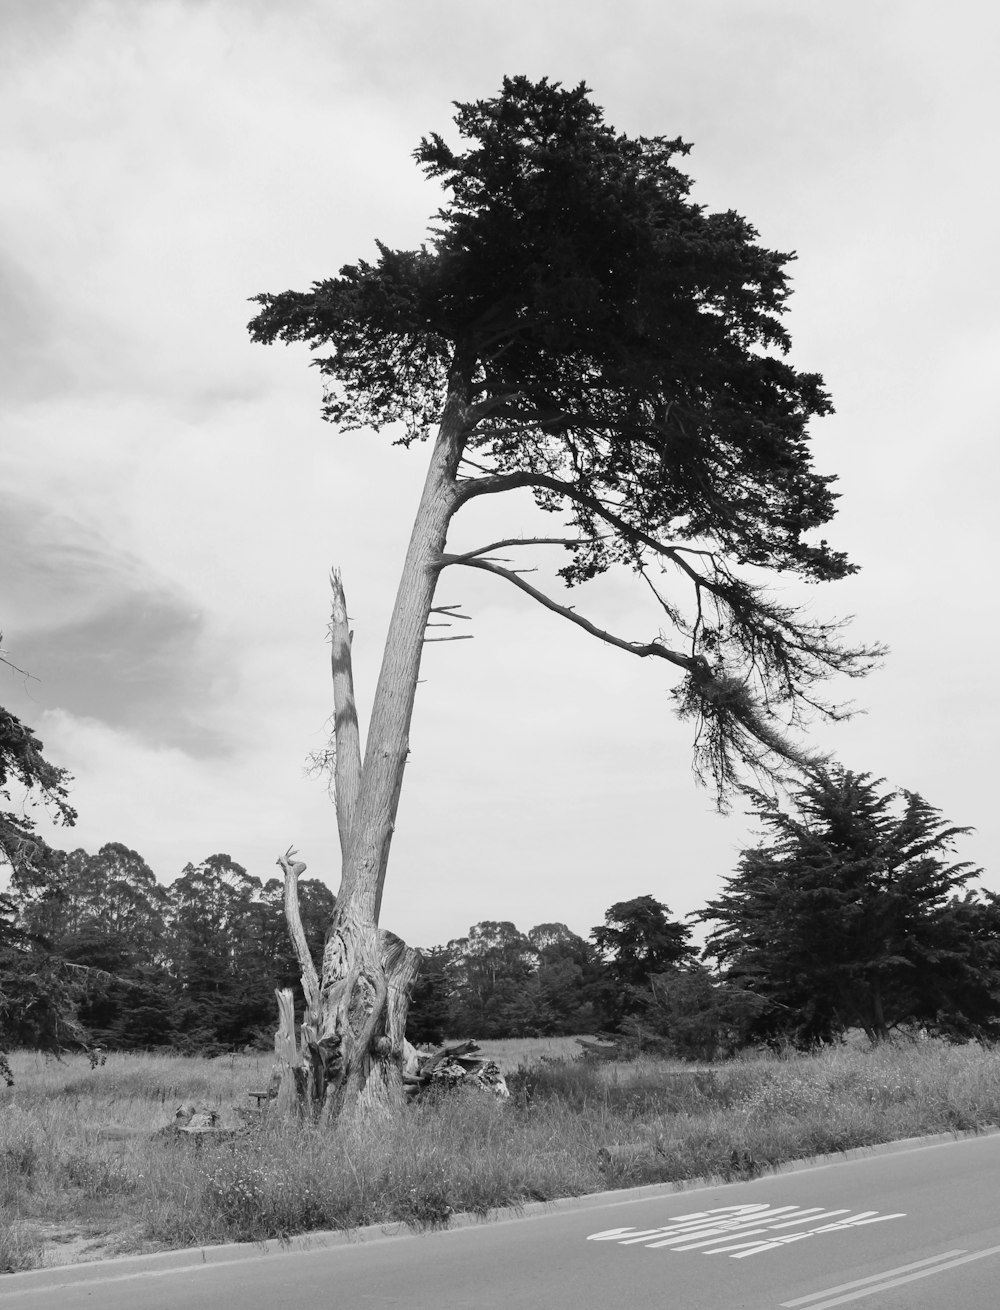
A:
[594,1050]
[190,1122]
[459,1065]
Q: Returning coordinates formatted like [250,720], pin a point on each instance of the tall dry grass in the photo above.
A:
[77,1157]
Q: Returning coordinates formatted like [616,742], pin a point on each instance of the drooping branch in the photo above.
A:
[635,648]
[11,665]
[732,725]
[777,645]
[347,736]
[310,981]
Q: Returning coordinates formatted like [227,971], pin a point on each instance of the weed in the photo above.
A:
[79,1146]
[21,1141]
[20,1245]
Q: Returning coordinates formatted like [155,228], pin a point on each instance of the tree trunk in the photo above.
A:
[351,1046]
[879,1025]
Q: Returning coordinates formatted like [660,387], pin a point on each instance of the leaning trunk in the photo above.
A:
[351,1046]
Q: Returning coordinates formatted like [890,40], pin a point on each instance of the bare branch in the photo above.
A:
[634,648]
[310,980]
[731,724]
[462,636]
[504,542]
[346,733]
[785,653]
[546,482]
[16,667]
[481,468]
[450,611]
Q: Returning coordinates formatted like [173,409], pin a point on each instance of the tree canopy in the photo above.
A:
[607,343]
[38,996]
[23,764]
[852,915]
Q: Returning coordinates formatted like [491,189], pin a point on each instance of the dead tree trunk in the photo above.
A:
[351,1044]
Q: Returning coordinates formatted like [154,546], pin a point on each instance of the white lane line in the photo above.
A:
[872,1278]
[882,1282]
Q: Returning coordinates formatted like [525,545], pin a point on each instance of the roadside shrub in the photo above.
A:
[20,1245]
[97,1178]
[22,1141]
[793,1097]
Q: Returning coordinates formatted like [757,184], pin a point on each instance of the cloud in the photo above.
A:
[175,808]
[100,634]
[171,502]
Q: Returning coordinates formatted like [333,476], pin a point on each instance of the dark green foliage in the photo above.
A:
[696,1016]
[217,932]
[38,994]
[621,352]
[193,965]
[638,939]
[849,917]
[499,982]
[494,983]
[428,1020]
[570,978]
[22,763]
[227,948]
[272,945]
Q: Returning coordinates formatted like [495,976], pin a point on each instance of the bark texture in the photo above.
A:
[350,1049]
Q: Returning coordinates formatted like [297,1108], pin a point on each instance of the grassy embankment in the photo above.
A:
[81,1176]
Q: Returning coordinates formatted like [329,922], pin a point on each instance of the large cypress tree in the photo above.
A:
[576,326]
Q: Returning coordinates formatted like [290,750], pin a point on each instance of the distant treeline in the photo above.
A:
[193,965]
[850,915]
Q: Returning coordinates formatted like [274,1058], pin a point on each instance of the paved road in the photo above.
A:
[912,1230]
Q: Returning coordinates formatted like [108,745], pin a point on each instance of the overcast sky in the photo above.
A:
[172,502]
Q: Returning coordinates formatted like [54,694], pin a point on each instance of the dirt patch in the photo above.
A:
[68,1244]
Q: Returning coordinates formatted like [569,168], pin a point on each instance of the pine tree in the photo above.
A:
[849,916]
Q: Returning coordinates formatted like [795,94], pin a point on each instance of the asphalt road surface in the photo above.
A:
[914,1229]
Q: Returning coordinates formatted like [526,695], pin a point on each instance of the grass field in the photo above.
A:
[82,1174]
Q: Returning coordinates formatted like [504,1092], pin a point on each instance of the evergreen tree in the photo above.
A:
[575,327]
[570,978]
[213,918]
[697,1016]
[849,917]
[495,991]
[430,1017]
[39,993]
[637,939]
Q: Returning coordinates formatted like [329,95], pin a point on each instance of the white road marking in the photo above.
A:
[722,1229]
[882,1282]
[872,1278]
[711,1233]
[719,1222]
[808,1216]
